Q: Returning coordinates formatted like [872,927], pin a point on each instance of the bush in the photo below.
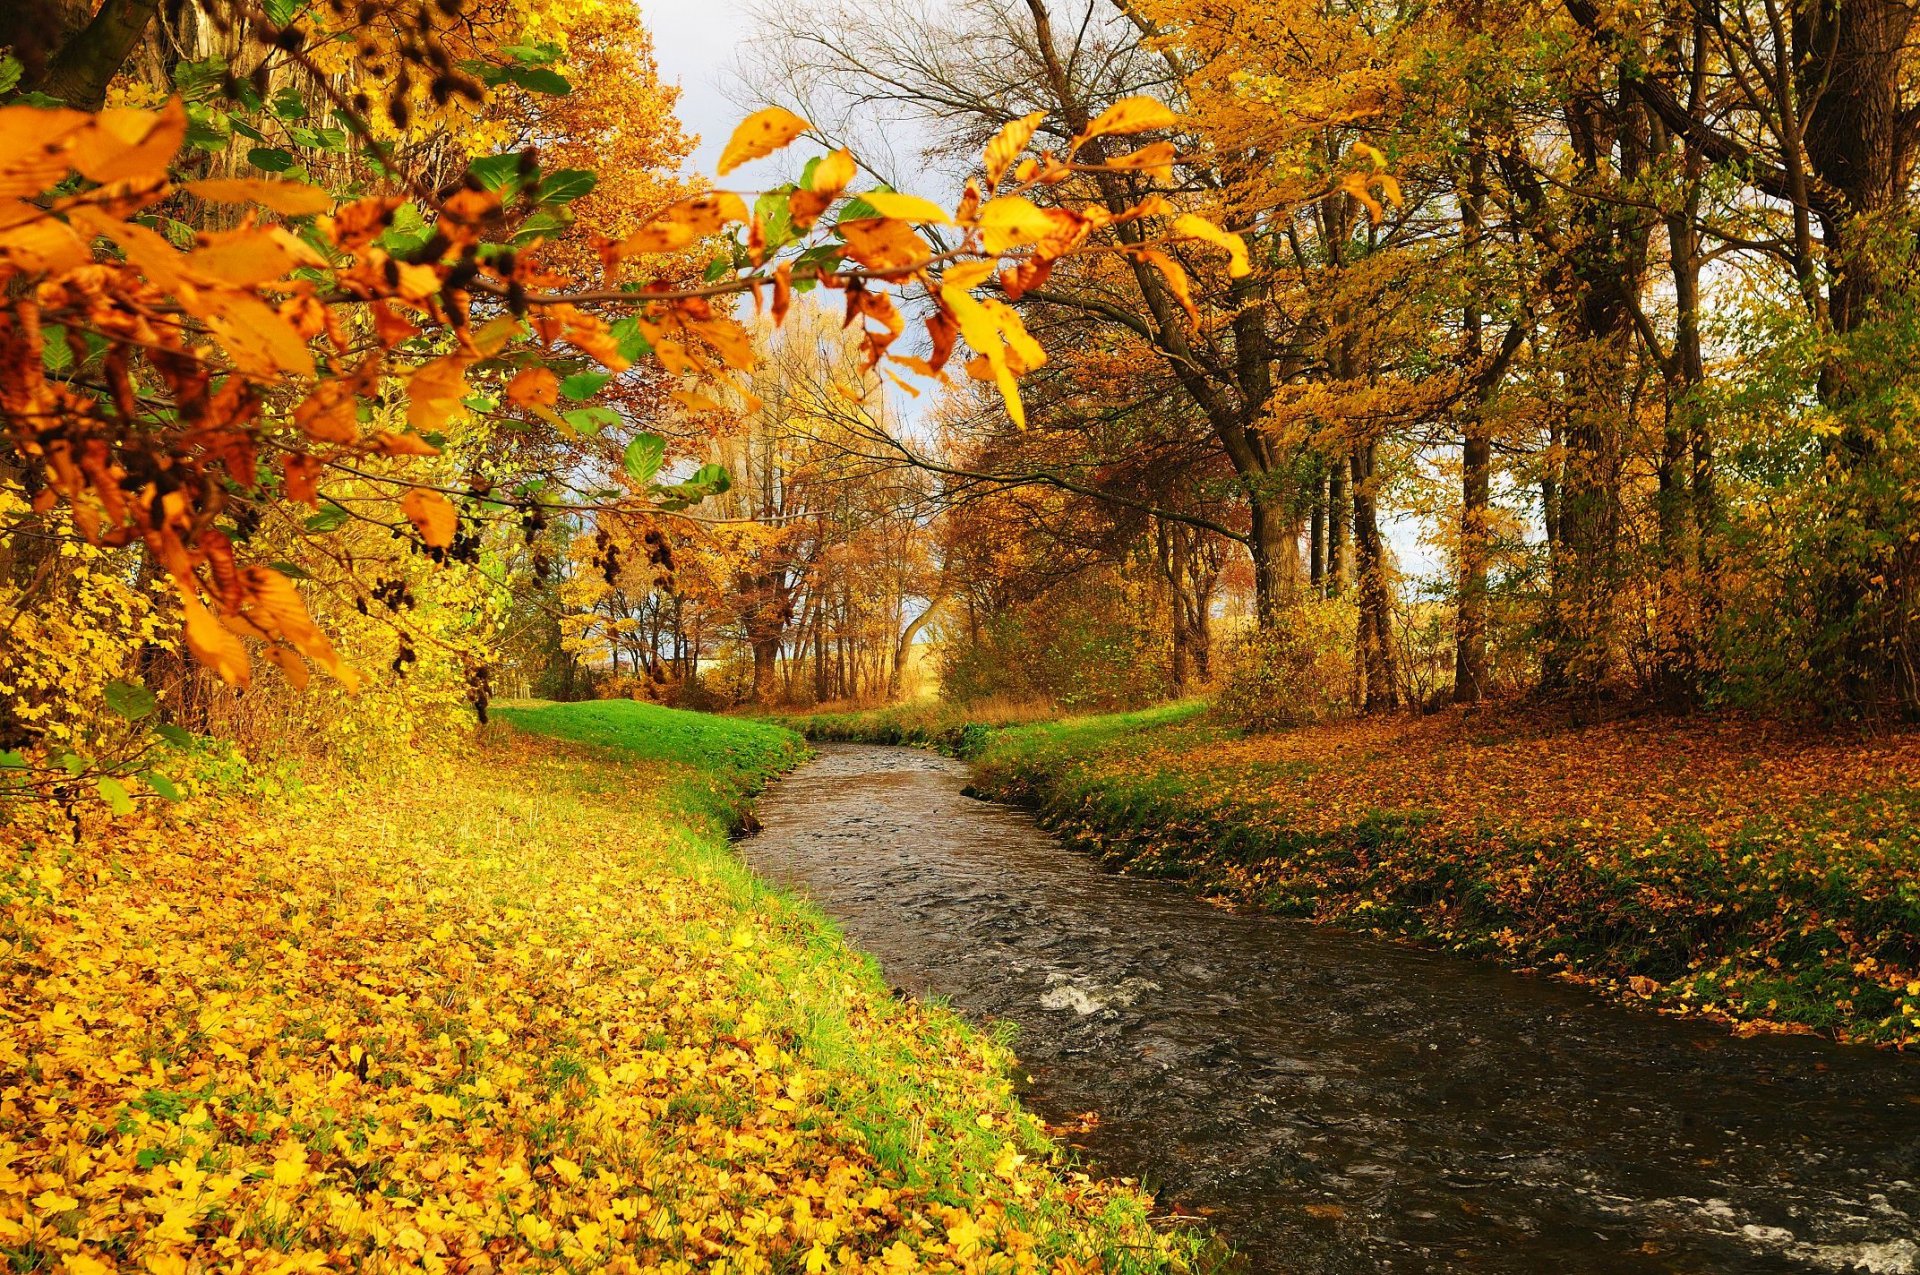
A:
[1299,672]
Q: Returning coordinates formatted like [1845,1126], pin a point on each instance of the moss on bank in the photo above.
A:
[1726,867]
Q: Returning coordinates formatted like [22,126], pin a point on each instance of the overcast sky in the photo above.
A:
[695,41]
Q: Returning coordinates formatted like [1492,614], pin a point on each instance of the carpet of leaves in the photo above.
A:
[529,1016]
[1748,870]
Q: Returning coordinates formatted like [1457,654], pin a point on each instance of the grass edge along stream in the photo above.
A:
[1781,913]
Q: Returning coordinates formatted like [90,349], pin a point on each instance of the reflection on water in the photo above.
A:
[1339,1104]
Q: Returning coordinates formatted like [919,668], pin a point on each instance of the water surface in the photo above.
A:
[1338,1104]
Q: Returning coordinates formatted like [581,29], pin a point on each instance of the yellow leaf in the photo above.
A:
[1129,115]
[275,604]
[292,198]
[290,1165]
[1007,145]
[832,174]
[760,134]
[1011,220]
[432,515]
[1194,226]
[906,207]
[259,341]
[1155,159]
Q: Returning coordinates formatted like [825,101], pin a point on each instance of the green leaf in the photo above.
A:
[776,218]
[293,571]
[130,700]
[330,518]
[178,736]
[319,139]
[584,385]
[243,129]
[55,354]
[539,79]
[566,186]
[532,54]
[856,209]
[114,793]
[207,129]
[290,104]
[161,785]
[281,12]
[643,456]
[270,158]
[544,224]
[199,81]
[633,343]
[591,420]
[496,172]
[11,760]
[10,73]
[73,763]
[713,478]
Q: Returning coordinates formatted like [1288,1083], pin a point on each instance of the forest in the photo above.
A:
[585,689]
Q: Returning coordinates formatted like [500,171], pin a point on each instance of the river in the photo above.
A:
[1337,1104]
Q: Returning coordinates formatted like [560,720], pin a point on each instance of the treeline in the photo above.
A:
[1616,302]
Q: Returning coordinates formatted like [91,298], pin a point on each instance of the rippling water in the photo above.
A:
[1339,1104]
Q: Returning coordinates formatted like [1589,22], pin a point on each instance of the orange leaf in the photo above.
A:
[1155,159]
[294,199]
[534,387]
[126,145]
[1197,227]
[432,515]
[685,222]
[213,644]
[388,443]
[434,392]
[1129,115]
[883,245]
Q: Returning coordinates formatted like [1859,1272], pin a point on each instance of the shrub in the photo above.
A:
[1298,672]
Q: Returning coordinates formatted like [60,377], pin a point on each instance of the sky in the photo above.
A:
[694,42]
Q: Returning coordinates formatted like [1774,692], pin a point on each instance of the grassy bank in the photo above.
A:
[1732,868]
[529,1013]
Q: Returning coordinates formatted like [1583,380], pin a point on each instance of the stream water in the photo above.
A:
[1338,1104]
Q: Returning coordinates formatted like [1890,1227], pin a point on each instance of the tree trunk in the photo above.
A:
[1276,560]
[1476,459]
[83,68]
[1317,537]
[766,659]
[1339,512]
[1374,663]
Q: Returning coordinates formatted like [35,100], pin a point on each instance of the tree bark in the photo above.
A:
[86,64]
[1374,661]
